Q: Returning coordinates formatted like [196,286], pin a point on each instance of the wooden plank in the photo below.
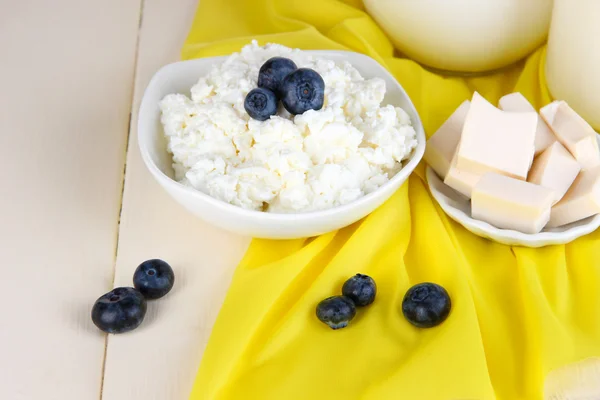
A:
[159,360]
[66,80]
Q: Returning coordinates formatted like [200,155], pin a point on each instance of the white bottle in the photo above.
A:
[573,57]
[464,35]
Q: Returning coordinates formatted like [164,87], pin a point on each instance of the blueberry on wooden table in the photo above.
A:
[302,90]
[154,278]
[120,310]
[260,104]
[426,305]
[273,71]
[336,311]
[361,289]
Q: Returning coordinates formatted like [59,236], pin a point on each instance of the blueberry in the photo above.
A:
[273,71]
[153,278]
[302,90]
[426,305]
[260,104]
[120,310]
[336,311]
[361,289]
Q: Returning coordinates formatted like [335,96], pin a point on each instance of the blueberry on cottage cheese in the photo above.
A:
[302,90]
[426,305]
[289,163]
[361,289]
[260,104]
[336,311]
[120,310]
[154,278]
[273,71]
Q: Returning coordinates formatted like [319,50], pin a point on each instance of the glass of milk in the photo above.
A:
[465,36]
[573,57]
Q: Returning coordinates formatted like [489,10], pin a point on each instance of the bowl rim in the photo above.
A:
[146,108]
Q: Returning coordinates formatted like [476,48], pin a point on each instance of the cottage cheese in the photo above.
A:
[307,162]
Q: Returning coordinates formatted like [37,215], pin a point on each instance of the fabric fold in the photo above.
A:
[517,313]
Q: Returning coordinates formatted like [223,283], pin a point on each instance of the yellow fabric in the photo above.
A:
[517,312]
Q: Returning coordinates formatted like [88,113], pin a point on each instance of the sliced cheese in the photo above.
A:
[496,141]
[442,145]
[516,102]
[554,169]
[582,200]
[509,203]
[459,180]
[547,112]
[576,135]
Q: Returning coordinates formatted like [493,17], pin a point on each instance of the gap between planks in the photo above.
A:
[114,267]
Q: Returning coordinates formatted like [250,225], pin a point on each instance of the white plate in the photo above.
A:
[458,207]
[179,78]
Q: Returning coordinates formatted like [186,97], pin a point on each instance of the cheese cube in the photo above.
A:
[554,169]
[509,203]
[497,141]
[548,111]
[581,201]
[460,180]
[442,145]
[576,135]
[516,102]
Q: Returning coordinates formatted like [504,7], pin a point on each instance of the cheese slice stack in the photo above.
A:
[496,141]
[576,135]
[461,180]
[489,134]
[548,111]
[442,145]
[511,203]
[521,171]
[581,201]
[516,102]
[554,169]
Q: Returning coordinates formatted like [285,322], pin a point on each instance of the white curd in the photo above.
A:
[313,161]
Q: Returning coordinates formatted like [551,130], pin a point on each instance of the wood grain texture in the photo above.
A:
[159,360]
[66,79]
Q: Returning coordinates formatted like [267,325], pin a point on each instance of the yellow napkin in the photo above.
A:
[517,313]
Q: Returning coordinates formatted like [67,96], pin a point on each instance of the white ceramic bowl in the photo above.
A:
[181,76]
[458,207]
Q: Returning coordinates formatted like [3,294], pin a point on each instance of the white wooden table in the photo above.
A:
[79,212]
